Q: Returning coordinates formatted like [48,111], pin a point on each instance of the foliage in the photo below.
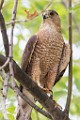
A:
[21,34]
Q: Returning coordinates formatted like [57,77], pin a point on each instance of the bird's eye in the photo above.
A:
[51,13]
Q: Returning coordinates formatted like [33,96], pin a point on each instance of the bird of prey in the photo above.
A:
[46,55]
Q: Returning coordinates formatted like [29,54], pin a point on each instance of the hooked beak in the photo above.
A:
[45,15]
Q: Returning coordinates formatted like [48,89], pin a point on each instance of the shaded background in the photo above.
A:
[23,31]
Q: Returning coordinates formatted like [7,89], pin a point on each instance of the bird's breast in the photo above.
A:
[48,48]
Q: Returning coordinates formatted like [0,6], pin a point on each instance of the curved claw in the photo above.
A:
[48,91]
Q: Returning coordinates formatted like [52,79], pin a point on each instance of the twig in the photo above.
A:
[12,29]
[67,107]
[51,1]
[11,40]
[26,20]
[11,50]
[5,64]
[17,21]
[4,92]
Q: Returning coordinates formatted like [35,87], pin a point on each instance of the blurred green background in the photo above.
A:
[24,30]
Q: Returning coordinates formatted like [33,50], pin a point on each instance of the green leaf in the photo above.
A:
[11,109]
[11,117]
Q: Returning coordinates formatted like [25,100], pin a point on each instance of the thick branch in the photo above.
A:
[39,94]
[4,34]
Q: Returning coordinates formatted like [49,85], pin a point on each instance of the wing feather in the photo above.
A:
[28,51]
[64,62]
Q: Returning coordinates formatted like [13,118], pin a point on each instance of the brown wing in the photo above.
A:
[64,62]
[28,51]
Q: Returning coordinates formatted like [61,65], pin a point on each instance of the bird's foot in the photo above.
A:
[48,91]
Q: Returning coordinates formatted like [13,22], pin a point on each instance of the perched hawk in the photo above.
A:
[46,55]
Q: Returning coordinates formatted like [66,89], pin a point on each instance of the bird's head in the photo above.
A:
[51,16]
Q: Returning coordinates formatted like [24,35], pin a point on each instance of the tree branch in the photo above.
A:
[1,4]
[67,107]
[6,63]
[11,40]
[37,92]
[5,77]
[4,34]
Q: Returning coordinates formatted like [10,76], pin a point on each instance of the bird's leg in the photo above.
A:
[51,95]
[50,83]
[51,76]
